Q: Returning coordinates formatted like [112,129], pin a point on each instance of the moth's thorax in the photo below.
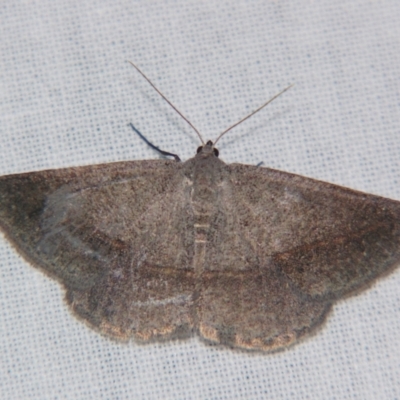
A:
[206,172]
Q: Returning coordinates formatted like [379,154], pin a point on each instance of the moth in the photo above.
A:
[246,256]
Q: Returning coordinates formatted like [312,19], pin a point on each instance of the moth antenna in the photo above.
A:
[154,87]
[252,113]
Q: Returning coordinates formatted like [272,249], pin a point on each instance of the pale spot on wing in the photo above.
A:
[177,300]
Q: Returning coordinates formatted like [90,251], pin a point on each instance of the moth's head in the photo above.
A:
[208,149]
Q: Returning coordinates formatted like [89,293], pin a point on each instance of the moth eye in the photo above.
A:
[216,152]
[199,149]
